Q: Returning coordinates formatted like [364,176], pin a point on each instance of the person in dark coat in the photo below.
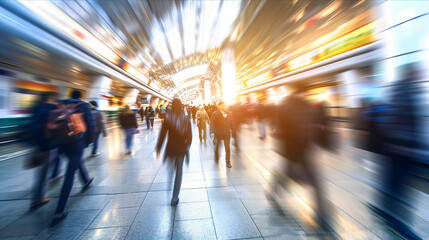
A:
[221,123]
[46,148]
[179,130]
[150,117]
[403,138]
[99,127]
[295,124]
[128,121]
[141,113]
[74,152]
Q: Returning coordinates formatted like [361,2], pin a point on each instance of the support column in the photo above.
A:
[131,97]
[154,102]
[99,91]
[207,92]
[228,76]
[351,81]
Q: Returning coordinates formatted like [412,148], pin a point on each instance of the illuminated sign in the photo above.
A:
[355,39]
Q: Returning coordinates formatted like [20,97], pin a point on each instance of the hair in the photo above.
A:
[126,107]
[94,103]
[220,103]
[76,94]
[176,105]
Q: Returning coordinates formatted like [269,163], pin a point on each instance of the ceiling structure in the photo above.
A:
[174,45]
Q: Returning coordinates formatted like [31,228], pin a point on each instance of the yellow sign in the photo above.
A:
[355,39]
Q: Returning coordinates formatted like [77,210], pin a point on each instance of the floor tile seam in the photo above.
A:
[99,212]
[253,221]
[134,219]
[211,213]
[191,219]
[113,226]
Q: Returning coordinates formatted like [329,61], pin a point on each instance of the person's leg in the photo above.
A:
[40,181]
[83,173]
[56,164]
[200,129]
[147,123]
[217,149]
[226,142]
[151,122]
[74,153]
[128,139]
[205,132]
[178,179]
[95,146]
[132,130]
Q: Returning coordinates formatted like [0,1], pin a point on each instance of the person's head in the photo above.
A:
[126,107]
[76,94]
[94,103]
[48,97]
[176,105]
[222,106]
[201,108]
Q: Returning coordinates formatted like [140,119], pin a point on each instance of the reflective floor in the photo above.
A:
[130,196]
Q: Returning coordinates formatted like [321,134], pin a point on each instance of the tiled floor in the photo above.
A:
[130,197]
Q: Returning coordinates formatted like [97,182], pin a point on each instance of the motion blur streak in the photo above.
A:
[312,119]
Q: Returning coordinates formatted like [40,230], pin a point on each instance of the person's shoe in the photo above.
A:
[174,201]
[57,220]
[39,204]
[228,165]
[56,179]
[86,186]
[95,154]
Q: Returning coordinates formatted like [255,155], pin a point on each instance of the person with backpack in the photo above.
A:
[72,127]
[99,127]
[128,122]
[46,148]
[178,127]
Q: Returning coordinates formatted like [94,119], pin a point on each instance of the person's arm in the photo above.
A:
[188,133]
[162,134]
[90,123]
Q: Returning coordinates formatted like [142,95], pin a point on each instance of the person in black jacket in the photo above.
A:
[99,126]
[150,117]
[178,127]
[45,146]
[128,122]
[295,126]
[402,144]
[221,123]
[74,152]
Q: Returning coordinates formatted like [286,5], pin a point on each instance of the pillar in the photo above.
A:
[207,92]
[154,102]
[130,97]
[228,75]
[351,82]
[99,91]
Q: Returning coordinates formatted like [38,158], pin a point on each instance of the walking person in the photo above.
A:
[294,118]
[46,148]
[401,129]
[81,121]
[141,113]
[202,121]
[178,128]
[99,127]
[221,123]
[150,117]
[128,122]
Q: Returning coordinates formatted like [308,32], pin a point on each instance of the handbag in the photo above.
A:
[35,160]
